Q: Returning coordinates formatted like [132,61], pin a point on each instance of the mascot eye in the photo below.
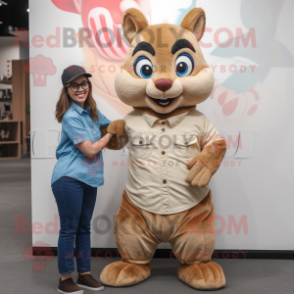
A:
[184,65]
[143,67]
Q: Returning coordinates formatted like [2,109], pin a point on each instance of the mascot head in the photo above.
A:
[164,68]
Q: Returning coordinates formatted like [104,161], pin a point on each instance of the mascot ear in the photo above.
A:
[195,21]
[133,22]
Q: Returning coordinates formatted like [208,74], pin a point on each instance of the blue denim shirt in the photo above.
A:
[77,127]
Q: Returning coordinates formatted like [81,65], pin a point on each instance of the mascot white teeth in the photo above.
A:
[174,152]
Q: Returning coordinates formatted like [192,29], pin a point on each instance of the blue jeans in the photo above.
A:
[76,201]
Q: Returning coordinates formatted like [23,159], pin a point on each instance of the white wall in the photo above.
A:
[253,186]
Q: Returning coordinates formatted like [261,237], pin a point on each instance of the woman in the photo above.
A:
[76,176]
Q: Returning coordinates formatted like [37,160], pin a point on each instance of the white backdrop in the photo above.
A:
[251,106]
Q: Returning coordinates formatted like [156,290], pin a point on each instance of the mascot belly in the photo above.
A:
[174,151]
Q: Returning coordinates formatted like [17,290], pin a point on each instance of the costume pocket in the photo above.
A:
[141,145]
[185,146]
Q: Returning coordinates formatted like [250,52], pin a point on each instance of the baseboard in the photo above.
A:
[167,253]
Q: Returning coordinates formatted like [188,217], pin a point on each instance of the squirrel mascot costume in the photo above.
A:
[173,152]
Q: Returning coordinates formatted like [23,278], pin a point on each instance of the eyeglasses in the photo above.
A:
[75,86]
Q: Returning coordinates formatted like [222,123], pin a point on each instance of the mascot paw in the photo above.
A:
[199,174]
[120,139]
[117,127]
[203,276]
[120,274]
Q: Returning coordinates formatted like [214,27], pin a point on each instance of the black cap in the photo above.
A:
[72,72]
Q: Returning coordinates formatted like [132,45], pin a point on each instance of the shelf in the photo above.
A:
[12,147]
[10,151]
[6,82]
[9,142]
[17,88]
[13,129]
[4,158]
[8,121]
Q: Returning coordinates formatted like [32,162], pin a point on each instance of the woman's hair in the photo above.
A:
[65,101]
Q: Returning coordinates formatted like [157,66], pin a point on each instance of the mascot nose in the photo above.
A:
[163,84]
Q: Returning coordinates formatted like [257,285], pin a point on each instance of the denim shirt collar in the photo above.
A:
[79,109]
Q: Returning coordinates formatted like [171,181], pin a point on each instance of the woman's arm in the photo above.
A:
[90,150]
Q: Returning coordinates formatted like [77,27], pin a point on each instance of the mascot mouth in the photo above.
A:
[163,102]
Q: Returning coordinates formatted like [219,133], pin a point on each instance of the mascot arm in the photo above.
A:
[205,164]
[120,139]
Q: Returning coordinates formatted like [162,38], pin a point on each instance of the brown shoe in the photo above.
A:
[68,286]
[88,282]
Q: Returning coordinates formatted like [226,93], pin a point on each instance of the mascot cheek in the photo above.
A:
[130,95]
[198,88]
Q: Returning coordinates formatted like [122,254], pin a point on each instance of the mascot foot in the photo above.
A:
[120,274]
[202,276]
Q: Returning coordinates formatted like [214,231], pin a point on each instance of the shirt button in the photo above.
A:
[164,181]
[163,122]
[163,130]
[163,152]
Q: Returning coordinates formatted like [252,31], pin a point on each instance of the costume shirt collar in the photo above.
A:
[173,121]
[173,118]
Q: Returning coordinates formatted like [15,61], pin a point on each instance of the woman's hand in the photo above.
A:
[90,150]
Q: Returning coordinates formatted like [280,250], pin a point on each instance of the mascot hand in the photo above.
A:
[120,139]
[199,174]
[205,164]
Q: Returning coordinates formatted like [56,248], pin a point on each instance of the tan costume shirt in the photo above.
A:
[159,152]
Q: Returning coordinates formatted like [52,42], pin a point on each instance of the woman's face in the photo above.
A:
[79,96]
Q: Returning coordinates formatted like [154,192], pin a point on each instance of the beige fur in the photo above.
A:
[133,23]
[120,139]
[203,276]
[190,90]
[191,233]
[205,164]
[195,22]
[121,274]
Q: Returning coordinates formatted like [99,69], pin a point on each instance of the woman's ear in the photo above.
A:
[133,22]
[195,21]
